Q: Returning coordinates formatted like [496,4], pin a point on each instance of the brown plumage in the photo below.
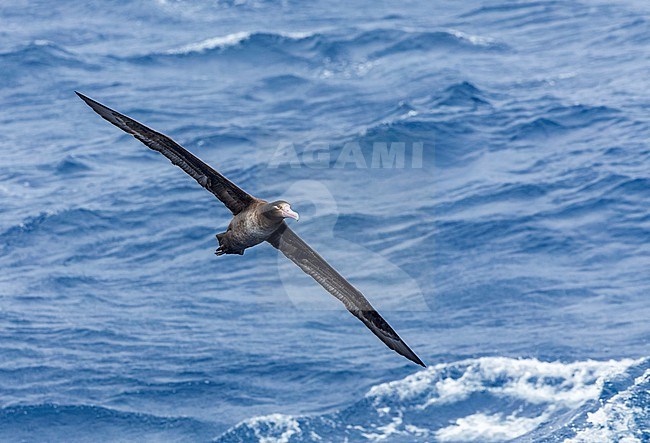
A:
[255,221]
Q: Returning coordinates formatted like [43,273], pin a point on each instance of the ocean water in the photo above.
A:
[510,247]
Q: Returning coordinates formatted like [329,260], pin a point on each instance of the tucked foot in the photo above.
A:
[222,250]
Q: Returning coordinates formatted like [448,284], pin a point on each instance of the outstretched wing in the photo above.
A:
[299,252]
[230,194]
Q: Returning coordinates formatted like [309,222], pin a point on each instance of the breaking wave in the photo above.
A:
[489,399]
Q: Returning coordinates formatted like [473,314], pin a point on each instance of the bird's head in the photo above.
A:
[279,210]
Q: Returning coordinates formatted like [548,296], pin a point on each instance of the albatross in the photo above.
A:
[256,221]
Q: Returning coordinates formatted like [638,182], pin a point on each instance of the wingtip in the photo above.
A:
[414,358]
[104,111]
[86,99]
[404,350]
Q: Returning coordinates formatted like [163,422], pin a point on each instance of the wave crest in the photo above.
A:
[364,45]
[237,38]
[484,399]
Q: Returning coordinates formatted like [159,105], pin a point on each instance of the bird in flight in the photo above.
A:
[255,221]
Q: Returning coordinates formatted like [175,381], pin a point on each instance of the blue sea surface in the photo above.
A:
[512,255]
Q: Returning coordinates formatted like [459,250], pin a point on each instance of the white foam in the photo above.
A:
[489,428]
[614,421]
[43,43]
[551,385]
[473,39]
[387,430]
[526,380]
[281,428]
[211,43]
